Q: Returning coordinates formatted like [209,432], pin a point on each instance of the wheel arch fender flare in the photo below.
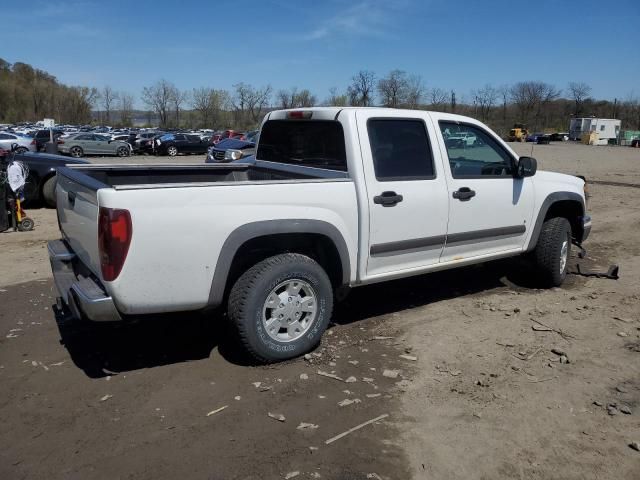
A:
[551,199]
[252,230]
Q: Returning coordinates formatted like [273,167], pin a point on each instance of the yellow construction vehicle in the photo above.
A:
[518,133]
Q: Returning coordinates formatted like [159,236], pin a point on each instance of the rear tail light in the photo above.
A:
[33,142]
[300,114]
[60,142]
[114,238]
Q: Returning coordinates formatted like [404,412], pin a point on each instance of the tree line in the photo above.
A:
[31,94]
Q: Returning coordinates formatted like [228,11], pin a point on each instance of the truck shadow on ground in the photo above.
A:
[106,349]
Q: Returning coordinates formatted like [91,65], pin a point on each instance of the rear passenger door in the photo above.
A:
[87,143]
[407,193]
[102,145]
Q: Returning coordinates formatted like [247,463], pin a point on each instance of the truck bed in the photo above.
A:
[123,177]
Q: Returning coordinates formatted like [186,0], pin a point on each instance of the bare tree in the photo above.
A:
[503,91]
[286,98]
[485,98]
[438,99]
[293,99]
[158,98]
[126,108]
[109,97]
[579,92]
[393,89]
[178,98]
[249,103]
[415,91]
[201,101]
[208,102]
[305,99]
[336,99]
[530,98]
[360,91]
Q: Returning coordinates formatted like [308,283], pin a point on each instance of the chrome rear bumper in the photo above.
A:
[79,291]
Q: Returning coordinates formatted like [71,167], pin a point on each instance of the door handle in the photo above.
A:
[464,193]
[387,199]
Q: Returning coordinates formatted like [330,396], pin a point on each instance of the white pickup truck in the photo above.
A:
[337,198]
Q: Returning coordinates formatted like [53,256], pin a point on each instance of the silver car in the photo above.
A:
[82,144]
[24,143]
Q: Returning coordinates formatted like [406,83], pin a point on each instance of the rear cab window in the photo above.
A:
[309,143]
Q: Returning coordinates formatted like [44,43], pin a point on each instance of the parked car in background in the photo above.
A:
[174,143]
[82,144]
[143,141]
[230,150]
[24,143]
[219,136]
[460,139]
[559,137]
[43,136]
[540,138]
[533,137]
[41,181]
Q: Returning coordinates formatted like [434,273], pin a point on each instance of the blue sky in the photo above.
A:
[459,45]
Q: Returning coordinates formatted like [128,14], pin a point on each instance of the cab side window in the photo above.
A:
[400,149]
[473,153]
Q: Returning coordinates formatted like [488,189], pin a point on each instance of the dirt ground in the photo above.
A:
[477,392]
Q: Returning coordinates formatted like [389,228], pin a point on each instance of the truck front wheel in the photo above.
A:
[281,306]
[552,251]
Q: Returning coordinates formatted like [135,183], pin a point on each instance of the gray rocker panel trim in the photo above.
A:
[439,241]
[401,246]
[486,235]
[272,227]
[542,213]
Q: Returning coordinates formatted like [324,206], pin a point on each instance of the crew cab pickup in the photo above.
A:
[336,198]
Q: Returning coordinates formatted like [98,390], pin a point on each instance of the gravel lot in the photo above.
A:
[485,398]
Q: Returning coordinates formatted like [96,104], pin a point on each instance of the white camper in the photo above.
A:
[605,128]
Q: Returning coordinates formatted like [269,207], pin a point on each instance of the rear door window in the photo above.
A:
[310,143]
[400,149]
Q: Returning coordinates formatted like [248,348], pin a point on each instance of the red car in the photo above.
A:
[218,137]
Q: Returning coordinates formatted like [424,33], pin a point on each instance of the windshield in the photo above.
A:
[315,143]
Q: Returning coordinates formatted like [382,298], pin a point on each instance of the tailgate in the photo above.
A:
[77,205]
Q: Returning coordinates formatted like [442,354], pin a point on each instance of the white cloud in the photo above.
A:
[367,18]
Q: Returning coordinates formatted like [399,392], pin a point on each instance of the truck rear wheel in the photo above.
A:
[553,250]
[281,306]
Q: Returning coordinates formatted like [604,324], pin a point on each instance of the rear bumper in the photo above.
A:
[79,291]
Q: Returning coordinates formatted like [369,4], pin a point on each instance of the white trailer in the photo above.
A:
[606,128]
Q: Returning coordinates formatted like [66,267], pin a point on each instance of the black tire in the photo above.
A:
[26,225]
[548,252]
[172,150]
[49,192]
[122,152]
[247,302]
[76,152]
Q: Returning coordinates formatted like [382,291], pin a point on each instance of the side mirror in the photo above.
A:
[527,167]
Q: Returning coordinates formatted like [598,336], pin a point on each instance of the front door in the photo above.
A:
[490,211]
[406,190]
